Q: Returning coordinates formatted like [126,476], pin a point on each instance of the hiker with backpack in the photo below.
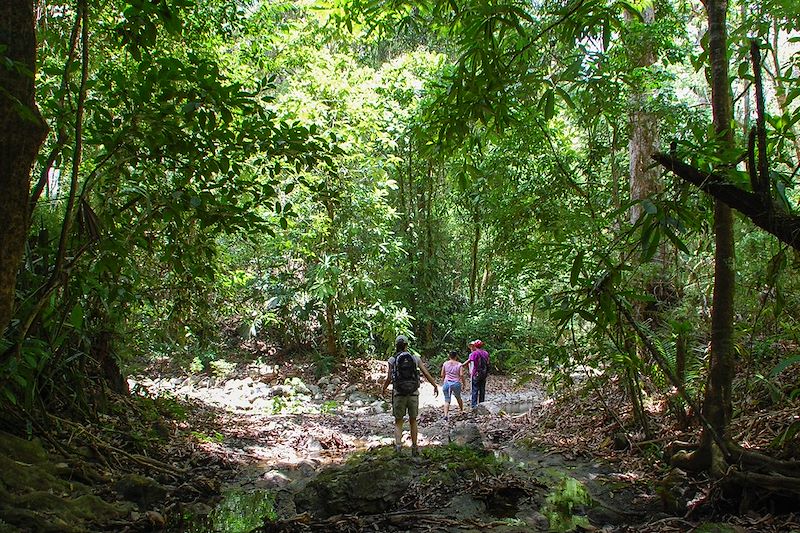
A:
[452,382]
[480,370]
[403,374]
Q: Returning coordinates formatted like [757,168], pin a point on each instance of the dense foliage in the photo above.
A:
[313,179]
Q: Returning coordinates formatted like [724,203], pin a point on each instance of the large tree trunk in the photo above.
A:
[22,131]
[644,178]
[717,406]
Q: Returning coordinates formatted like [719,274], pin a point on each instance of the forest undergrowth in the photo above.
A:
[596,421]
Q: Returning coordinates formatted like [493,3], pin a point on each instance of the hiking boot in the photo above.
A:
[414,451]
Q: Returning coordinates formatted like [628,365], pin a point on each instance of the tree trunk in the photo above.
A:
[644,178]
[331,336]
[717,406]
[22,131]
[331,333]
[473,266]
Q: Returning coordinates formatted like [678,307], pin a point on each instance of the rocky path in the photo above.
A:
[284,430]
[267,419]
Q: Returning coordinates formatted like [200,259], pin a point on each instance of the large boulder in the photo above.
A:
[367,487]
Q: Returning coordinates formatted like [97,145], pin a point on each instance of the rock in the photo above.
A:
[466,434]
[621,441]
[605,516]
[280,390]
[538,521]
[487,408]
[464,507]
[359,398]
[255,397]
[314,445]
[377,407]
[142,490]
[199,509]
[367,487]
[274,479]
[300,387]
[155,519]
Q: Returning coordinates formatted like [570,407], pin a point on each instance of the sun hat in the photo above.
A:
[401,339]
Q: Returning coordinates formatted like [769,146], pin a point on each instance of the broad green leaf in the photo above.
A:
[577,265]
[76,317]
[783,365]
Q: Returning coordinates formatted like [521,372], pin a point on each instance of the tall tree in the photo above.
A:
[644,177]
[717,404]
[22,131]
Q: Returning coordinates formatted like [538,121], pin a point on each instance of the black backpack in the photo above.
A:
[405,375]
[482,369]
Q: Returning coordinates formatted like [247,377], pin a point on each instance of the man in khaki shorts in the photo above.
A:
[403,374]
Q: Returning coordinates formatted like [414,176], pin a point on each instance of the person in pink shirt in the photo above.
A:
[452,382]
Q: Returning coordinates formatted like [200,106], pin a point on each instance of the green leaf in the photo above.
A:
[577,265]
[10,396]
[562,314]
[76,317]
[675,240]
[548,104]
[783,365]
[650,246]
[565,97]
[788,434]
[744,69]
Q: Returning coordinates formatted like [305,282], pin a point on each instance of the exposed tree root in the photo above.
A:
[764,463]
[141,460]
[740,467]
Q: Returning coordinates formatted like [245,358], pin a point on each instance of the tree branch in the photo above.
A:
[764,213]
